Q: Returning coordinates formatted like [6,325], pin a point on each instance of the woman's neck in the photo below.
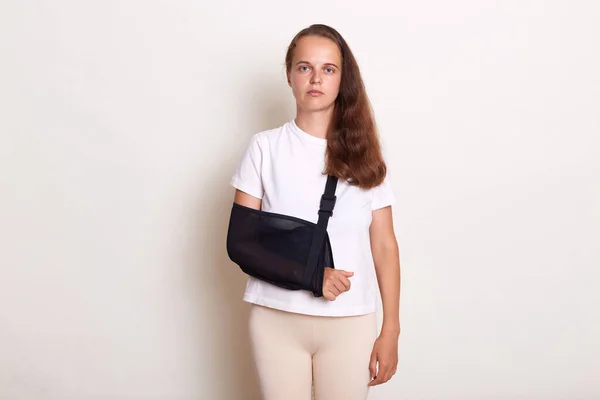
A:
[314,123]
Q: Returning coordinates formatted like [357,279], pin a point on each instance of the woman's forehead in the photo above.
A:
[316,49]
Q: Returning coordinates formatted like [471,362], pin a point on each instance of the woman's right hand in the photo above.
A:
[335,282]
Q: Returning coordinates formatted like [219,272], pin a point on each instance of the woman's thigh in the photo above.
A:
[341,363]
[280,344]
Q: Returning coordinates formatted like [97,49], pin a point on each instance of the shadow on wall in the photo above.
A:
[226,355]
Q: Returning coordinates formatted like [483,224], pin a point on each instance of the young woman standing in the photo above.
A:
[299,340]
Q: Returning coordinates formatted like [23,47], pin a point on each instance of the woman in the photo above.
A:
[299,340]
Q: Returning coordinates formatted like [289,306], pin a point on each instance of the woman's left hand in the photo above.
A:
[385,356]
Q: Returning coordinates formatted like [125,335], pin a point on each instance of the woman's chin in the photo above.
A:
[315,106]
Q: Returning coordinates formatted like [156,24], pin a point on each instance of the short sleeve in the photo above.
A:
[383,195]
[247,175]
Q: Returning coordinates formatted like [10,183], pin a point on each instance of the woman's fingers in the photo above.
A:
[333,290]
[345,281]
[339,286]
[373,365]
[335,283]
[379,379]
[384,374]
[388,375]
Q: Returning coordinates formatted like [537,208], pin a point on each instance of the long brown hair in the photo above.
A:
[353,147]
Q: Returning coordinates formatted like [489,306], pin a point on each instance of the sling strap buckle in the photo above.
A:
[327,204]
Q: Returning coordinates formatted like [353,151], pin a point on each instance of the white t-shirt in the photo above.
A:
[283,167]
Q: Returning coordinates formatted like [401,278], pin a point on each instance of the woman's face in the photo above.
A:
[315,73]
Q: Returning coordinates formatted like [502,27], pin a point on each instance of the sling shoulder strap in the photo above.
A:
[326,207]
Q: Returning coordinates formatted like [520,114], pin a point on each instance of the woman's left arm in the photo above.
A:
[386,257]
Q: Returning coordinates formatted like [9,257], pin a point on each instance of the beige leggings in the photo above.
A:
[294,351]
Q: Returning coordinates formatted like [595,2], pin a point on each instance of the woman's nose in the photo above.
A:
[316,78]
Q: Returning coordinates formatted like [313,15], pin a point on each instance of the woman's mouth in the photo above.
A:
[315,93]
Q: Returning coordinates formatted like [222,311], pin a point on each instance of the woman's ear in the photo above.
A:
[288,79]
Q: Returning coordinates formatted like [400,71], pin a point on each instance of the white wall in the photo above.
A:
[121,123]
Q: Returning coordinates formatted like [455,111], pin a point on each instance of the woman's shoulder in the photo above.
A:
[271,134]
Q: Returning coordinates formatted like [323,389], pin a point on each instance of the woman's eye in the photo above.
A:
[329,70]
[303,70]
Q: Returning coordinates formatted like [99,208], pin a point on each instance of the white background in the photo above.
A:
[121,123]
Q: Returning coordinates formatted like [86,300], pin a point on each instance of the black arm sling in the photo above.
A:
[285,251]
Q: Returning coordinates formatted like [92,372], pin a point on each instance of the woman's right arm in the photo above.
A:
[244,199]
[335,281]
